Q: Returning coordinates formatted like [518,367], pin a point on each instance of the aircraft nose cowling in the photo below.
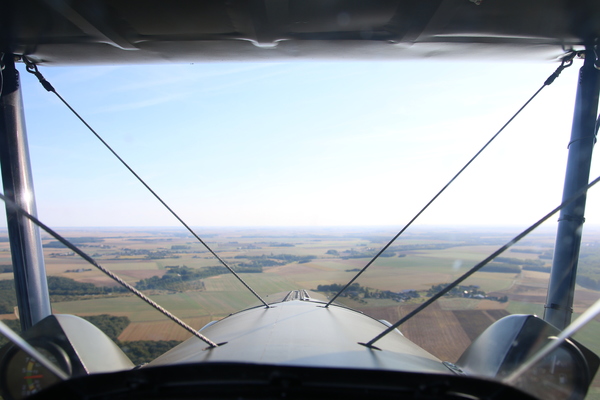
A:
[303,333]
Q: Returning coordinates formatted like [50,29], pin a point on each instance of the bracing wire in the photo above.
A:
[32,68]
[483,263]
[90,260]
[566,62]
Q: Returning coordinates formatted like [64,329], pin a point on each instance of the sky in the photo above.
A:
[301,143]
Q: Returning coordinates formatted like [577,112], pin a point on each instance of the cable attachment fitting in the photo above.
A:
[33,69]
[566,62]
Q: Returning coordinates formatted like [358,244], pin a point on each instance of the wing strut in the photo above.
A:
[25,241]
[559,301]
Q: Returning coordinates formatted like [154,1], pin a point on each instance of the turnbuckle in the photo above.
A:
[33,69]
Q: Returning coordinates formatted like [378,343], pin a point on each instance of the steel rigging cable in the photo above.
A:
[90,260]
[566,62]
[33,69]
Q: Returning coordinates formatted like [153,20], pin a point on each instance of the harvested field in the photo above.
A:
[7,275]
[161,330]
[459,303]
[584,298]
[435,330]
[497,314]
[474,322]
[525,293]
[443,333]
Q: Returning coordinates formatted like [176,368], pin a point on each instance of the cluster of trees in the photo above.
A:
[259,261]
[60,286]
[354,291]
[369,253]
[8,296]
[500,267]
[289,258]
[588,269]
[180,278]
[255,267]
[526,251]
[79,241]
[160,254]
[588,282]
[111,325]
[60,289]
[518,261]
[336,287]
[468,291]
[388,294]
[457,291]
[357,292]
[277,259]
[143,254]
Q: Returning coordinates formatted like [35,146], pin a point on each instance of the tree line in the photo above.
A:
[179,278]
[276,259]
[59,288]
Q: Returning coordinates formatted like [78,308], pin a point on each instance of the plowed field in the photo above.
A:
[444,333]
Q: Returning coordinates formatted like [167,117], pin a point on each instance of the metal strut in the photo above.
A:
[25,242]
[561,287]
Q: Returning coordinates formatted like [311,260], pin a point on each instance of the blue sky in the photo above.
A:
[300,144]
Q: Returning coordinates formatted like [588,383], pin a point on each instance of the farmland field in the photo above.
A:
[303,259]
[145,253]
